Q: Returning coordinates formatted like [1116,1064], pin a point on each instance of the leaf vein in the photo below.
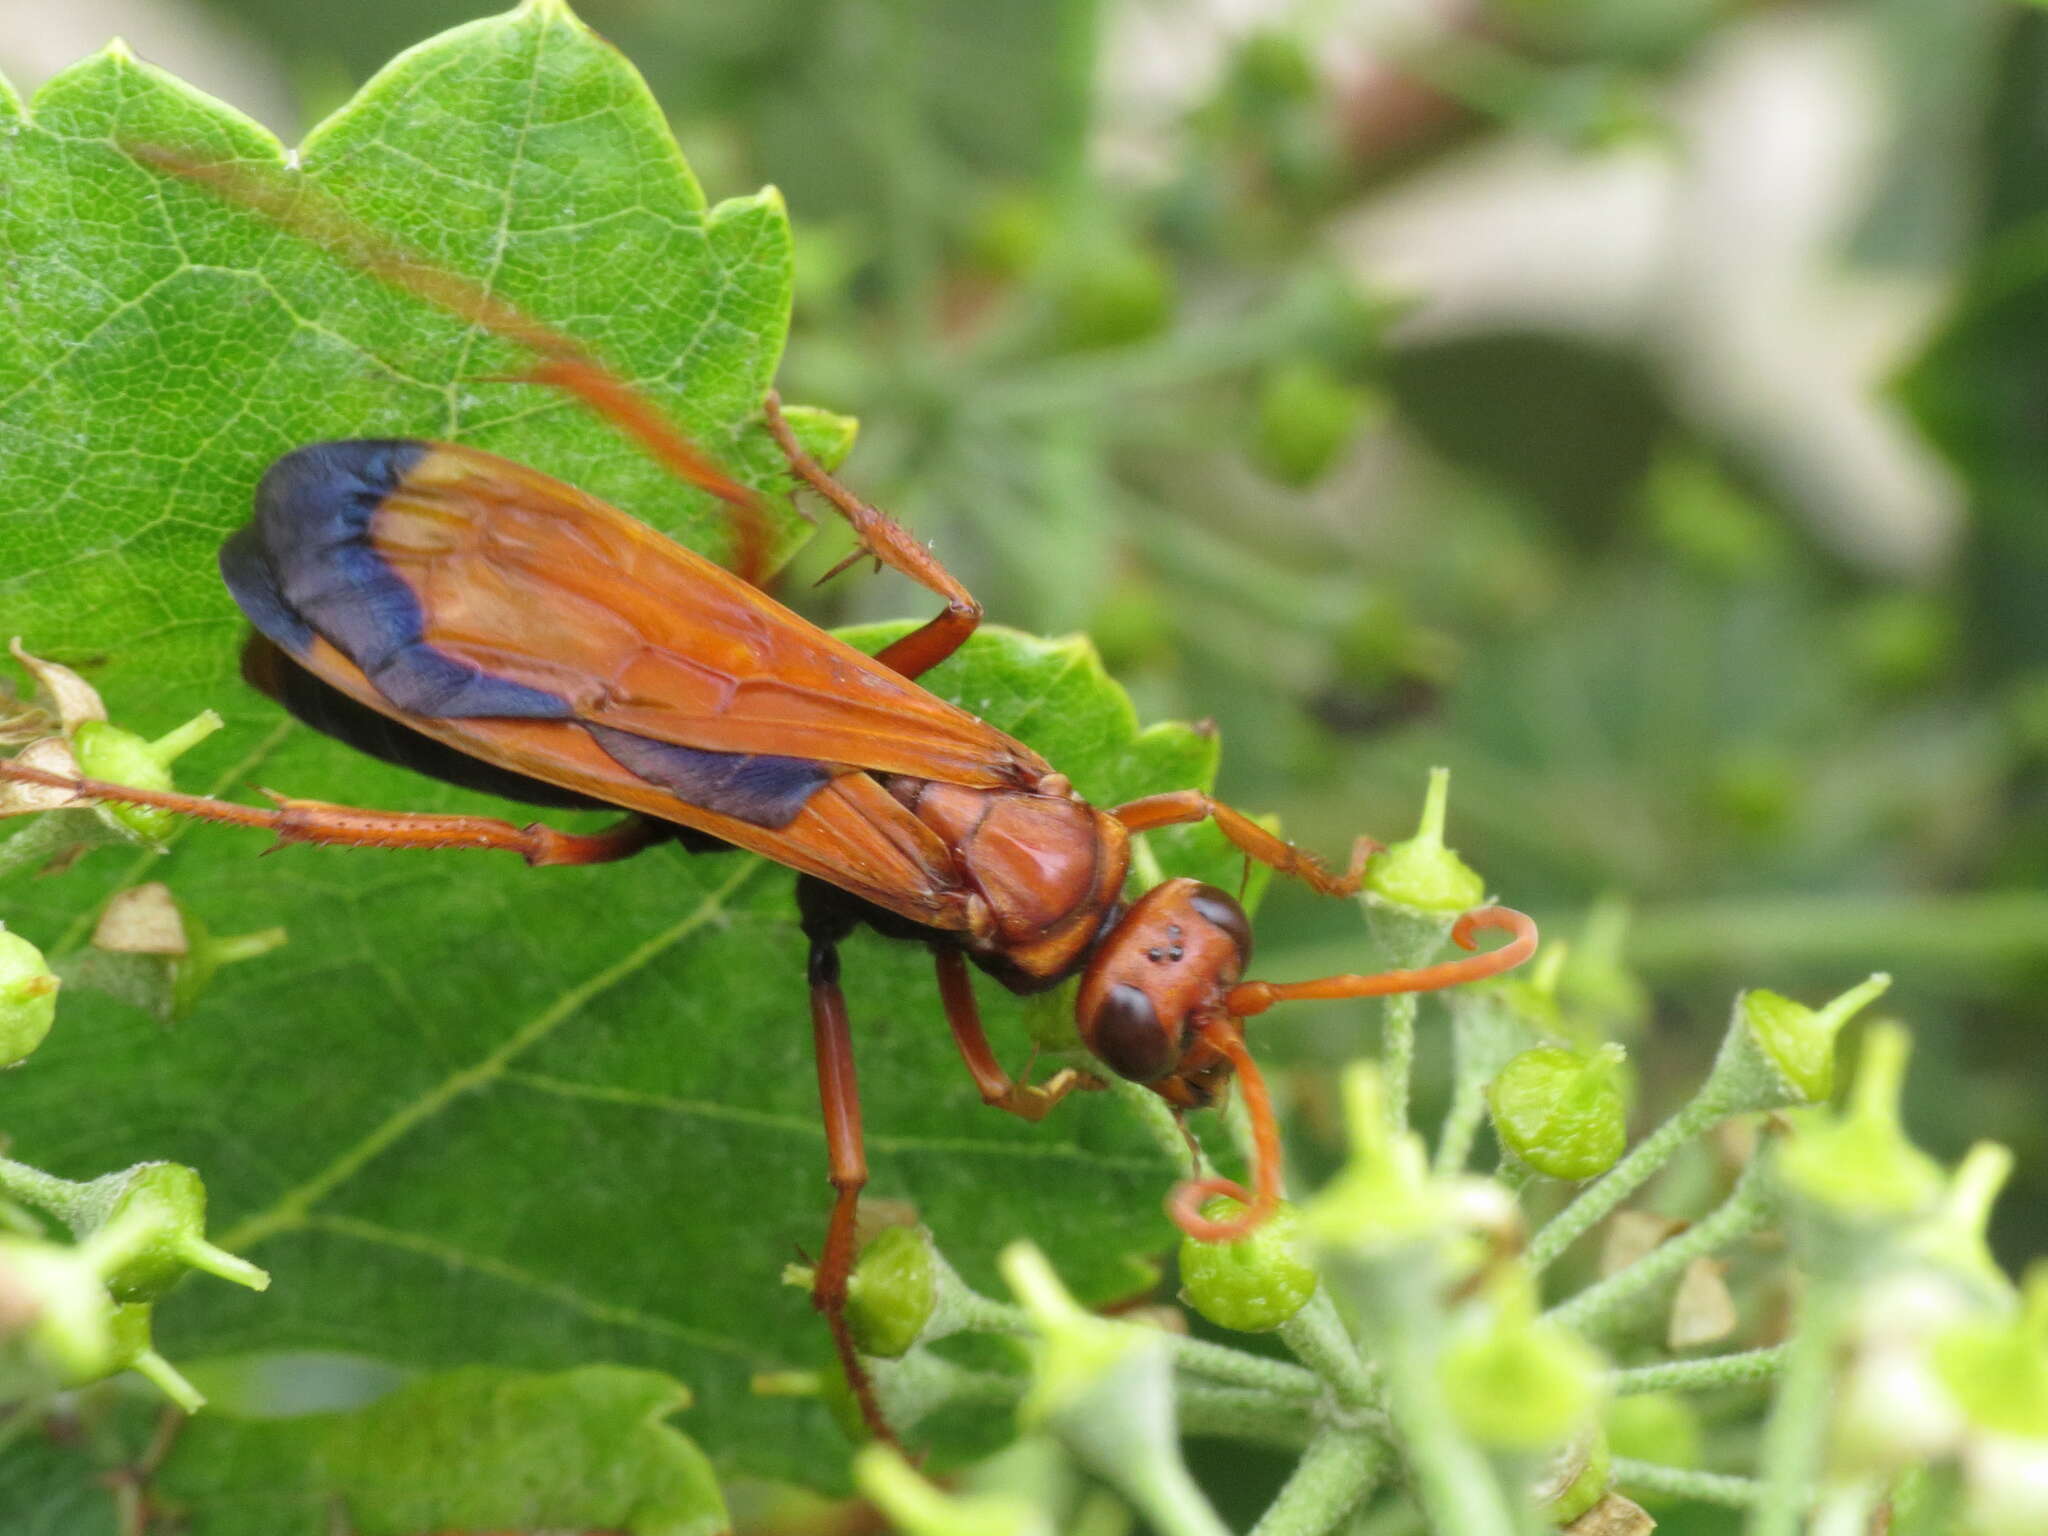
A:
[295,1205]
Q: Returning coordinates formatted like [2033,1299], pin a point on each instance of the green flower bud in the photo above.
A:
[1274,66]
[1382,1195]
[207,952]
[917,1508]
[151,1220]
[1957,1238]
[1105,1391]
[135,1350]
[1119,293]
[56,1312]
[1859,1165]
[1077,1350]
[1562,1113]
[891,1293]
[1306,415]
[1530,994]
[1656,1426]
[28,998]
[1252,1285]
[121,757]
[1799,1041]
[1011,234]
[1515,1381]
[1422,872]
[1595,986]
[1578,1477]
[1998,1372]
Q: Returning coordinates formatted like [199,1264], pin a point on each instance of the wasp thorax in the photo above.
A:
[1159,974]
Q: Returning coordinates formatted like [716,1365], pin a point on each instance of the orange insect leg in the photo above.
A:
[315,821]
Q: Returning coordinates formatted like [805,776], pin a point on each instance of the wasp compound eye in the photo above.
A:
[1127,1035]
[1221,911]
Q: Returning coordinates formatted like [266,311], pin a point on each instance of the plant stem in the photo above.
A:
[1461,1127]
[1219,1363]
[1167,1497]
[1332,1478]
[1240,1413]
[1609,1301]
[1456,1485]
[1700,1375]
[1707,1487]
[1321,1342]
[1705,1108]
[1790,1455]
[1397,1057]
[45,1191]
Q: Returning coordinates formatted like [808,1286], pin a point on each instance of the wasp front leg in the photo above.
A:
[999,1090]
[1184,807]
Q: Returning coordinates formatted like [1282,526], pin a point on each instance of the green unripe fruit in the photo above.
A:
[1656,1426]
[1306,415]
[1119,294]
[1517,1382]
[1254,1284]
[891,1293]
[28,998]
[1422,872]
[1859,1165]
[121,757]
[1997,1372]
[1562,1113]
[1800,1041]
[154,1215]
[1012,233]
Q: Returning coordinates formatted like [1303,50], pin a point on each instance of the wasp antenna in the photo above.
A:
[306,211]
[1255,997]
[1184,1204]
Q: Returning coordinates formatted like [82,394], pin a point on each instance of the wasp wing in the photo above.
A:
[513,618]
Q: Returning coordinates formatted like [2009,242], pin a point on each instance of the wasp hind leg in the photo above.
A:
[346,826]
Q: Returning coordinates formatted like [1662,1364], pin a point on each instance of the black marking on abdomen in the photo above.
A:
[755,787]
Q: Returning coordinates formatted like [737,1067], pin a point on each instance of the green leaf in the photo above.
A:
[476,1449]
[474,1113]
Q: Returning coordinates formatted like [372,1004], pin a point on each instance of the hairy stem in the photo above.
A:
[1708,1487]
[1610,1301]
[1700,1375]
[1332,1478]
[1705,1108]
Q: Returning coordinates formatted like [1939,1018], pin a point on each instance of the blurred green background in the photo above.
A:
[1640,406]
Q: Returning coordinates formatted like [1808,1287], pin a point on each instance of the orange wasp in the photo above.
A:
[485,624]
